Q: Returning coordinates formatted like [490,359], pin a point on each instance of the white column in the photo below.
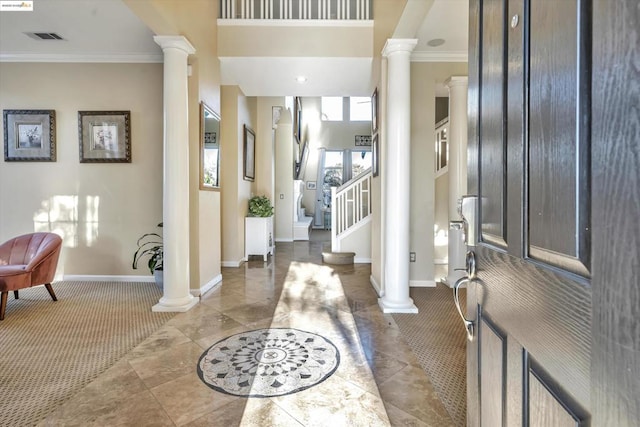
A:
[176,176]
[457,172]
[457,142]
[397,170]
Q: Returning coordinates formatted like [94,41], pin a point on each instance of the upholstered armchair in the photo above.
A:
[28,260]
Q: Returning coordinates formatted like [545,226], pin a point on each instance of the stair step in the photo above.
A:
[337,258]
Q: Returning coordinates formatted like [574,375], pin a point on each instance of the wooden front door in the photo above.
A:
[554,131]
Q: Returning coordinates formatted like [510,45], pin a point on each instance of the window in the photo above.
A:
[332,108]
[360,108]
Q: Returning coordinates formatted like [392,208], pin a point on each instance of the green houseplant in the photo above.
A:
[260,206]
[150,246]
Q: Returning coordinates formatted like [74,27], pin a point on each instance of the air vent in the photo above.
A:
[44,36]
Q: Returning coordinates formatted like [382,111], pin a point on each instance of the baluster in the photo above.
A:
[369,195]
[357,213]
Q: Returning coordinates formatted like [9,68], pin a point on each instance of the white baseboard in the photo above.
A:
[232,263]
[440,261]
[106,278]
[422,283]
[376,286]
[279,239]
[362,260]
[207,286]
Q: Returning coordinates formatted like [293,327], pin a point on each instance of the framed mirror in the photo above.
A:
[209,148]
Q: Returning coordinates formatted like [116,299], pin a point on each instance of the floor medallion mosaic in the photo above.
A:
[268,362]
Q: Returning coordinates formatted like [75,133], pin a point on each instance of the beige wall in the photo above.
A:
[283,223]
[100,210]
[424,77]
[193,20]
[237,110]
[338,40]
[265,159]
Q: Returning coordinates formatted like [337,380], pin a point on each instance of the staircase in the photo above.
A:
[351,222]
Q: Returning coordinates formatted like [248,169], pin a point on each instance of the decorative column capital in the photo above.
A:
[399,45]
[175,42]
[457,81]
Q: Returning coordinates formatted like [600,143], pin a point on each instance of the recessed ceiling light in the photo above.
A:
[301,79]
[436,42]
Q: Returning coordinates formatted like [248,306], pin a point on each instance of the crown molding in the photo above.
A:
[455,56]
[75,57]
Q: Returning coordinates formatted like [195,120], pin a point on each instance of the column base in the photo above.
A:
[179,305]
[390,307]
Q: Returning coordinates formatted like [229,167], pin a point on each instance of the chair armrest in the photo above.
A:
[12,270]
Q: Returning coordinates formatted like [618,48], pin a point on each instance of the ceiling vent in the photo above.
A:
[44,36]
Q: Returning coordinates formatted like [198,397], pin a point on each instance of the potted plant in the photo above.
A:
[260,206]
[150,245]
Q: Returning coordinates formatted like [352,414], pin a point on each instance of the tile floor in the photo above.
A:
[378,382]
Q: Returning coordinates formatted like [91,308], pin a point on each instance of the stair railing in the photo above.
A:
[296,9]
[350,204]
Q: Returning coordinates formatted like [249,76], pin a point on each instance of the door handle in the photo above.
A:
[469,326]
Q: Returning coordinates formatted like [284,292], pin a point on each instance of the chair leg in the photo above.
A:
[15,294]
[3,303]
[50,289]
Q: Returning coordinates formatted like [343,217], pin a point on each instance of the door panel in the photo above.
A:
[529,165]
[558,138]
[548,314]
[492,375]
[492,179]
[571,125]
[544,409]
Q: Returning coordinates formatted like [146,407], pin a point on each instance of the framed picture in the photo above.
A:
[249,154]
[374,112]
[209,148]
[29,135]
[375,156]
[297,119]
[105,136]
[311,185]
[363,140]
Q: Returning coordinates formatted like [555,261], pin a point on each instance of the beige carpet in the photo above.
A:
[437,337]
[50,350]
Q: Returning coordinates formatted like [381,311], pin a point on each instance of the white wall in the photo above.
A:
[441,216]
[101,209]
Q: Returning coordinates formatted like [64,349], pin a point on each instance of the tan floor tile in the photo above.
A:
[202,321]
[166,365]
[187,398]
[335,402]
[249,413]
[138,409]
[166,337]
[399,418]
[410,391]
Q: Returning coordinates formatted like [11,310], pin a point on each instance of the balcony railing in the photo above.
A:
[296,9]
